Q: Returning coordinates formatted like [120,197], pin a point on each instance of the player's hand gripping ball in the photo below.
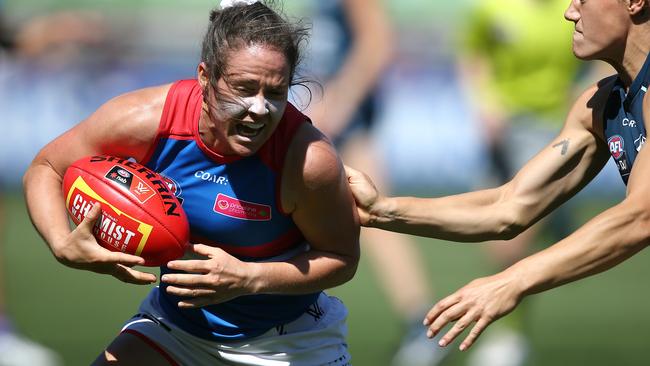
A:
[140,215]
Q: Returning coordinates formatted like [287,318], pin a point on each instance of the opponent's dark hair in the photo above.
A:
[240,26]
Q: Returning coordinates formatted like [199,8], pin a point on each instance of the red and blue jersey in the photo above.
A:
[233,203]
[624,127]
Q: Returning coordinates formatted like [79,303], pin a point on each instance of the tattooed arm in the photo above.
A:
[554,175]
[605,241]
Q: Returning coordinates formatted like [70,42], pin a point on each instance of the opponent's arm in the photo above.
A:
[124,126]
[560,170]
[603,242]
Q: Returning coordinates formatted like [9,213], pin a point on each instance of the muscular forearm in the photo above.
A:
[602,243]
[308,272]
[469,217]
[45,203]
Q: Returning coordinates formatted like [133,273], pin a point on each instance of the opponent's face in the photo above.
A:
[601,28]
[249,100]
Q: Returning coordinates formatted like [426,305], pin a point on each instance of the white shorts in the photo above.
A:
[316,338]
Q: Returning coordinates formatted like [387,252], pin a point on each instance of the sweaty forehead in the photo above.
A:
[255,62]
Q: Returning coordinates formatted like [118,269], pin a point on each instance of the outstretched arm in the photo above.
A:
[605,241]
[560,170]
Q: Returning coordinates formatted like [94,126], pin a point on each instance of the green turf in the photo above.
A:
[599,321]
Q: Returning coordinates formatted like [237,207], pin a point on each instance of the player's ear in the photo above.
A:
[638,7]
[202,75]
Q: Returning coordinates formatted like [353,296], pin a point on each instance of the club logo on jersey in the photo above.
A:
[138,188]
[174,187]
[243,210]
[639,142]
[616,146]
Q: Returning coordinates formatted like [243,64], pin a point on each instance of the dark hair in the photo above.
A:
[239,26]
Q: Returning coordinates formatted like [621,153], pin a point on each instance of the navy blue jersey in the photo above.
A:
[232,203]
[624,128]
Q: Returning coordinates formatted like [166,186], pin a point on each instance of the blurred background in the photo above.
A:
[61,59]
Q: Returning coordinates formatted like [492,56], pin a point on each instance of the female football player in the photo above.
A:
[250,290]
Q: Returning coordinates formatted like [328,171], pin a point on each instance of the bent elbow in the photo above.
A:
[511,227]
[510,232]
[350,266]
[28,176]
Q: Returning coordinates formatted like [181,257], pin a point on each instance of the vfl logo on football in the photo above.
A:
[243,210]
[616,146]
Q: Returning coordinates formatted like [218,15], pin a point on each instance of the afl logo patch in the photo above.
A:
[616,146]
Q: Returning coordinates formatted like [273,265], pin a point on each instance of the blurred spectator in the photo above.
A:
[62,66]
[15,349]
[36,62]
[517,66]
[350,50]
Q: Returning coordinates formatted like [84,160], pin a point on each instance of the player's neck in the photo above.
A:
[636,53]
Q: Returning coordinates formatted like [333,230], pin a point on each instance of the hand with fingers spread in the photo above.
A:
[365,194]
[218,278]
[81,250]
[482,301]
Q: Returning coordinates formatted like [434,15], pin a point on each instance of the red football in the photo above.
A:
[140,215]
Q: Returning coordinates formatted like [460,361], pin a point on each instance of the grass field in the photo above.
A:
[603,320]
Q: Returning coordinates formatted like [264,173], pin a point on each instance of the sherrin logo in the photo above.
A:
[243,210]
[171,208]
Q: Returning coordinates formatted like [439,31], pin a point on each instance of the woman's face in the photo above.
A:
[601,28]
[249,101]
